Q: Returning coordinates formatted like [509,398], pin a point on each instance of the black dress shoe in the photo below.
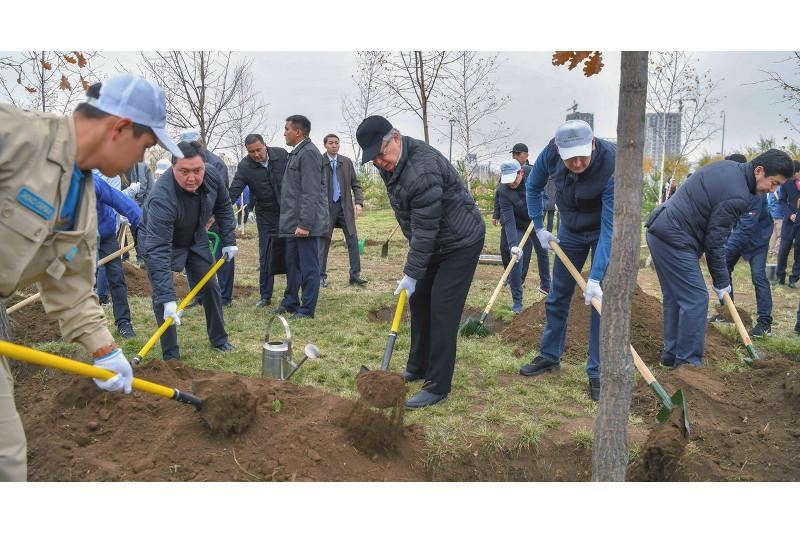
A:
[539,365]
[227,304]
[358,281]
[280,310]
[300,316]
[423,399]
[263,303]
[594,389]
[225,347]
[792,284]
[126,330]
[323,282]
[410,377]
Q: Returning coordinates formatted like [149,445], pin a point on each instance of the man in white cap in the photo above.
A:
[48,221]
[583,169]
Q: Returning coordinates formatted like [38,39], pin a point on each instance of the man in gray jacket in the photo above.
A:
[346,200]
[697,220]
[304,218]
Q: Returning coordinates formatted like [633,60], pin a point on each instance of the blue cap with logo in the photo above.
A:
[574,139]
[137,99]
[508,171]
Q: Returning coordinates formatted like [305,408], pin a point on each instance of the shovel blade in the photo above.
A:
[677,401]
[385,249]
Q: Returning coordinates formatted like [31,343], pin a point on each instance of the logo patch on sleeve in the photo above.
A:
[35,203]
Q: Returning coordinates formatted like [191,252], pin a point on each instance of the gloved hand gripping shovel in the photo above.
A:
[381,388]
[668,403]
[181,306]
[748,344]
[475,327]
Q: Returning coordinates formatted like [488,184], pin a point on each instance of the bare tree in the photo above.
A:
[675,86]
[247,114]
[471,100]
[201,89]
[371,98]
[48,81]
[789,88]
[411,78]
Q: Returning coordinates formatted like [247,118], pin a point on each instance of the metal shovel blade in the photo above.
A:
[385,249]
[677,400]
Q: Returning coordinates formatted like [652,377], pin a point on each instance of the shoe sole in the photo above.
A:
[540,372]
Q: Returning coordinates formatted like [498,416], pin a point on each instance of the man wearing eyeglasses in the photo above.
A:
[445,231]
[173,237]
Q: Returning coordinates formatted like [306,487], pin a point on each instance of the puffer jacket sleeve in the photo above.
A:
[159,226]
[425,203]
[722,219]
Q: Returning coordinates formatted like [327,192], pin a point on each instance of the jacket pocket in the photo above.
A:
[22,233]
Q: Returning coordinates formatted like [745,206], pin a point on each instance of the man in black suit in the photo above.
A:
[346,201]
[262,170]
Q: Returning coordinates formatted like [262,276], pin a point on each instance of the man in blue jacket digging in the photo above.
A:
[583,169]
[110,201]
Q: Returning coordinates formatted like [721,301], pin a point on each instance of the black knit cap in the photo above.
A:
[519,147]
[370,134]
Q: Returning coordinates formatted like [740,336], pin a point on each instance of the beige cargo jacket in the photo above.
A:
[37,155]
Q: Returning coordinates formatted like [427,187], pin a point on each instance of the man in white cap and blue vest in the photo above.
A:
[583,169]
[48,221]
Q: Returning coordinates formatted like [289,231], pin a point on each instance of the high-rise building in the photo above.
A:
[654,135]
[586,117]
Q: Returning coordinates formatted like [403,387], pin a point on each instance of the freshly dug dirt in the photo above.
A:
[662,451]
[30,324]
[139,284]
[386,315]
[76,432]
[381,389]
[747,320]
[228,407]
[647,331]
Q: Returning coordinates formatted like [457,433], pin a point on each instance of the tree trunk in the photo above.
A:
[609,451]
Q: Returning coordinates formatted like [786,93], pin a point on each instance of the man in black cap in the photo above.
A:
[445,231]
[520,153]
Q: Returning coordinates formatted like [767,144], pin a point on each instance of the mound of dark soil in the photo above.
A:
[647,331]
[30,324]
[139,284]
[76,432]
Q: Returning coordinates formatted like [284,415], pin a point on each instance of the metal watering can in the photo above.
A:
[277,355]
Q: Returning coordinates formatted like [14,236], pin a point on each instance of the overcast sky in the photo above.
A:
[314,83]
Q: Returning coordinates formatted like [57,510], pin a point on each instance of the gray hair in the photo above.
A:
[388,136]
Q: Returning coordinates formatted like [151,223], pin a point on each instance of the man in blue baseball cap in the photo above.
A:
[48,221]
[583,169]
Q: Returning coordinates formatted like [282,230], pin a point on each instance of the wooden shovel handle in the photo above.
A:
[637,361]
[397,227]
[507,271]
[737,319]
[36,297]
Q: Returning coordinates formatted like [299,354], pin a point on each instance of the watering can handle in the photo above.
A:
[285,330]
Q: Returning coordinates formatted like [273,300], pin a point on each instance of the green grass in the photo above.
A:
[490,409]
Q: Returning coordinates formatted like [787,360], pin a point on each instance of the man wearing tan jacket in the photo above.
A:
[48,221]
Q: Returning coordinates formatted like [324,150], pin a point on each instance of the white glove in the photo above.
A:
[516,250]
[171,310]
[229,252]
[593,290]
[124,221]
[721,292]
[545,237]
[115,362]
[251,218]
[407,283]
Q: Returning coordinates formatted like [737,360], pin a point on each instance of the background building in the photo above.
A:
[653,131]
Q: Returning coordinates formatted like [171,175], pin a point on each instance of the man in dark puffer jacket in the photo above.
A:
[696,220]
[445,231]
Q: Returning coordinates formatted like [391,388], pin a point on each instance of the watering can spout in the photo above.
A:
[310,352]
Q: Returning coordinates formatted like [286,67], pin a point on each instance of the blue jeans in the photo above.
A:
[101,283]
[577,246]
[685,302]
[302,273]
[112,276]
[758,275]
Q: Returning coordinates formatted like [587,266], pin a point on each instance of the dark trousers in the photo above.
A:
[577,246]
[196,267]
[758,275]
[542,260]
[337,216]
[520,271]
[790,237]
[266,279]
[225,276]
[302,274]
[685,302]
[436,308]
[116,280]
[549,215]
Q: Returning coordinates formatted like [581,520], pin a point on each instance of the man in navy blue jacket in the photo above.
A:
[789,200]
[110,201]
[697,220]
[583,170]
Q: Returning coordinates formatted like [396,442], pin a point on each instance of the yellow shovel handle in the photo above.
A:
[182,305]
[29,355]
[398,312]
